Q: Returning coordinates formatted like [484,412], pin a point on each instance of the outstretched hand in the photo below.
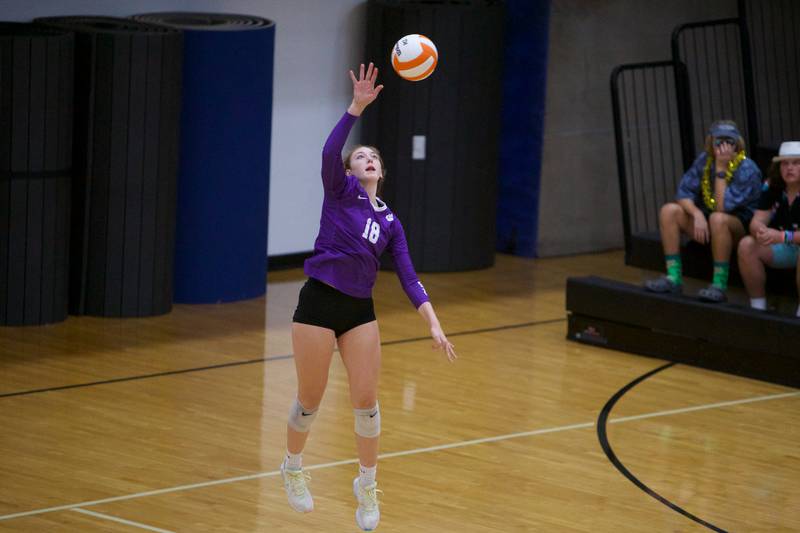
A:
[364,90]
[440,342]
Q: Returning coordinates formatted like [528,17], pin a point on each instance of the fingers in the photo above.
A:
[451,353]
[701,235]
[441,343]
[370,74]
[378,89]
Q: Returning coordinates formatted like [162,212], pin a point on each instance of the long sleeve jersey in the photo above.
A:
[353,233]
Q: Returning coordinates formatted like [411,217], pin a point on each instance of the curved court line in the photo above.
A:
[262,360]
[602,435]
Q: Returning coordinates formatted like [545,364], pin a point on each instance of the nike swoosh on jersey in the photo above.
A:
[362,197]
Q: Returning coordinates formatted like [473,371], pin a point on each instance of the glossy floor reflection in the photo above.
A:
[176,423]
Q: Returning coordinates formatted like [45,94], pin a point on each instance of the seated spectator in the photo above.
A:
[774,237]
[715,202]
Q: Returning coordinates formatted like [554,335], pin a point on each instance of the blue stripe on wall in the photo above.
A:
[522,126]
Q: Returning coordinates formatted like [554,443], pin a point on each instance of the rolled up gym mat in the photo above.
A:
[127,110]
[36,84]
[223,184]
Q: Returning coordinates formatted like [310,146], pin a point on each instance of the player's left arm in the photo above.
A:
[398,248]
[440,341]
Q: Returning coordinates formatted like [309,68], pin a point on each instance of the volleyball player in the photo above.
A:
[335,304]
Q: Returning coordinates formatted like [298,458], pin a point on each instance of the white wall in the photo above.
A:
[317,41]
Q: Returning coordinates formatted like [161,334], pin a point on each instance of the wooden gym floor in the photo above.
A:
[176,423]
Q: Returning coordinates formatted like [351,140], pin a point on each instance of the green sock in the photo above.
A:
[674,268]
[720,280]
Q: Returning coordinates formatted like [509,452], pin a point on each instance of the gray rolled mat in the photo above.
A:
[127,109]
[36,68]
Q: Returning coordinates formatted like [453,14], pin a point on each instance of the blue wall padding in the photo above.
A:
[223,183]
[524,84]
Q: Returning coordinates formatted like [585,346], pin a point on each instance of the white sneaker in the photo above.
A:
[367,515]
[294,481]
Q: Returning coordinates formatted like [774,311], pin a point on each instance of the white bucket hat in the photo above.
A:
[788,150]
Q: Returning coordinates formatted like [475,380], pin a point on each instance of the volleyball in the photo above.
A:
[414,57]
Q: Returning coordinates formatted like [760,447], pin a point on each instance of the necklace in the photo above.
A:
[733,165]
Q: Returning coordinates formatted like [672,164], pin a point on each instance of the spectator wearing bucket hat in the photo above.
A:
[715,202]
[774,238]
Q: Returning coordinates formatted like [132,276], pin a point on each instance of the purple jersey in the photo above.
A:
[353,233]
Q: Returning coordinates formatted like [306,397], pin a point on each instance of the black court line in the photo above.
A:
[481,330]
[145,376]
[602,435]
[261,360]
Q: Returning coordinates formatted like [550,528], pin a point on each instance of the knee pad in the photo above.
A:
[368,421]
[300,419]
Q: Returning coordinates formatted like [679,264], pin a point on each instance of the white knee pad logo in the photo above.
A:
[300,418]
[368,421]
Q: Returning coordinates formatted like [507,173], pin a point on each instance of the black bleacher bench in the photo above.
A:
[724,337]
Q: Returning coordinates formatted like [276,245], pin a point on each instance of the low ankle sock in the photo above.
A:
[294,461]
[758,303]
[674,268]
[720,280]
[366,474]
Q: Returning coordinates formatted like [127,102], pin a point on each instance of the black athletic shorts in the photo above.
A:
[322,305]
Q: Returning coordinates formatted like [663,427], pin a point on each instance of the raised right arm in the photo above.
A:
[333,177]
[364,93]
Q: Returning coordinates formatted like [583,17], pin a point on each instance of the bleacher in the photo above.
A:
[721,69]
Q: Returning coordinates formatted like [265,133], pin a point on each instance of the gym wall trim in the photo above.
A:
[36,85]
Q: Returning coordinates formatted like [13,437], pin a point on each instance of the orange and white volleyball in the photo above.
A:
[414,57]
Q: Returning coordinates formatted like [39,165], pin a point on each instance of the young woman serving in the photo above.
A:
[335,304]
